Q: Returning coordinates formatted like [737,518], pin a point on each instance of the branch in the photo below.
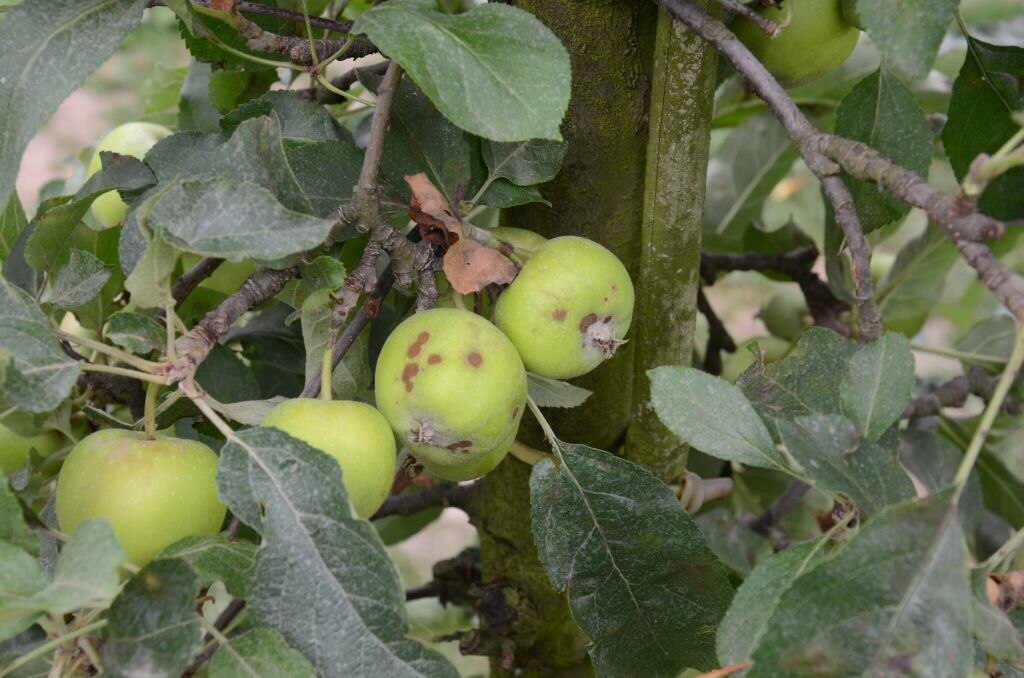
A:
[193,347]
[203,269]
[769,27]
[954,393]
[719,338]
[270,10]
[769,523]
[408,503]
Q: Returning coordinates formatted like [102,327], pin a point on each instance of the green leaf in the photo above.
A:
[547,392]
[78,281]
[741,174]
[300,120]
[154,630]
[495,71]
[990,340]
[524,163]
[260,652]
[217,558]
[352,376]
[12,521]
[195,110]
[150,280]
[712,415]
[933,460]
[87,571]
[20,579]
[879,384]
[396,529]
[228,89]
[758,599]
[39,375]
[908,32]
[881,112]
[235,220]
[317,562]
[12,222]
[136,332]
[618,542]
[903,576]
[735,544]
[502,194]
[323,273]
[914,284]
[985,93]
[839,461]
[992,627]
[48,50]
[227,378]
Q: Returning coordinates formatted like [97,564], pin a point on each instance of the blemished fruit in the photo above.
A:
[816,41]
[134,139]
[355,434]
[568,309]
[153,492]
[14,448]
[526,242]
[228,277]
[784,315]
[735,364]
[453,388]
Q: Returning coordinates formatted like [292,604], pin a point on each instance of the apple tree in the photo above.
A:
[706,313]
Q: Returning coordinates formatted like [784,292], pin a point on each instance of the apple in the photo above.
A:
[785,314]
[355,434]
[453,388]
[227,278]
[153,492]
[815,41]
[14,448]
[134,139]
[737,363]
[526,242]
[568,309]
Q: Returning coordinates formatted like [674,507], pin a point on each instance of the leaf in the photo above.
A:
[228,89]
[879,384]
[933,461]
[990,340]
[12,223]
[323,273]
[547,392]
[757,599]
[712,415]
[39,375]
[992,627]
[56,44]
[524,163]
[250,412]
[495,71]
[985,94]
[352,376]
[838,460]
[642,583]
[78,281]
[502,193]
[299,119]
[217,558]
[735,544]
[227,378]
[914,284]
[908,32]
[259,652]
[741,174]
[87,571]
[20,579]
[153,628]
[903,576]
[195,110]
[136,332]
[324,579]
[881,112]
[150,280]
[13,529]
[235,220]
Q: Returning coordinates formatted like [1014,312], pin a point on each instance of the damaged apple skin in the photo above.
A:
[569,309]
[453,388]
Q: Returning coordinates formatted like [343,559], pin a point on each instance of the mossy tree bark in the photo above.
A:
[600,194]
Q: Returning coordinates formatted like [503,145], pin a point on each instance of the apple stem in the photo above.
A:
[149,414]
[325,372]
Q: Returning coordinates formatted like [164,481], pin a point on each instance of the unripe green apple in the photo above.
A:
[134,139]
[526,242]
[355,434]
[227,278]
[736,363]
[453,388]
[816,41]
[851,14]
[784,315]
[153,492]
[14,448]
[568,309]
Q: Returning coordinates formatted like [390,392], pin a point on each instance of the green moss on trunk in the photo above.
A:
[682,93]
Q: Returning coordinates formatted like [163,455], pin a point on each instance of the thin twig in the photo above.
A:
[191,279]
[769,27]
[719,338]
[768,524]
[408,503]
[223,619]
[270,10]
[954,393]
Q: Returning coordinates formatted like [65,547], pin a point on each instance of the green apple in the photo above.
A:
[153,492]
[355,434]
[737,363]
[134,139]
[453,388]
[526,242]
[228,277]
[14,448]
[815,41]
[568,309]
[785,314]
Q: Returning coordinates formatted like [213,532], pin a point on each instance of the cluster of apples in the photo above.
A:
[451,387]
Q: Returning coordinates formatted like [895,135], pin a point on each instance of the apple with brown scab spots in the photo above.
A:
[453,388]
[568,310]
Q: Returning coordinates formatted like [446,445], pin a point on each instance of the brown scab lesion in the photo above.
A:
[515,412]
[475,359]
[461,446]
[416,346]
[408,374]
[559,314]
[587,321]
[434,359]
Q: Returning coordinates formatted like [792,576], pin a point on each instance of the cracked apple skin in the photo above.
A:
[355,434]
[453,388]
[134,139]
[568,309]
[816,42]
[153,492]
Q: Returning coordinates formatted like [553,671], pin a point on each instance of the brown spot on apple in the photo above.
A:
[434,359]
[475,359]
[462,445]
[559,314]
[587,321]
[416,346]
[408,374]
